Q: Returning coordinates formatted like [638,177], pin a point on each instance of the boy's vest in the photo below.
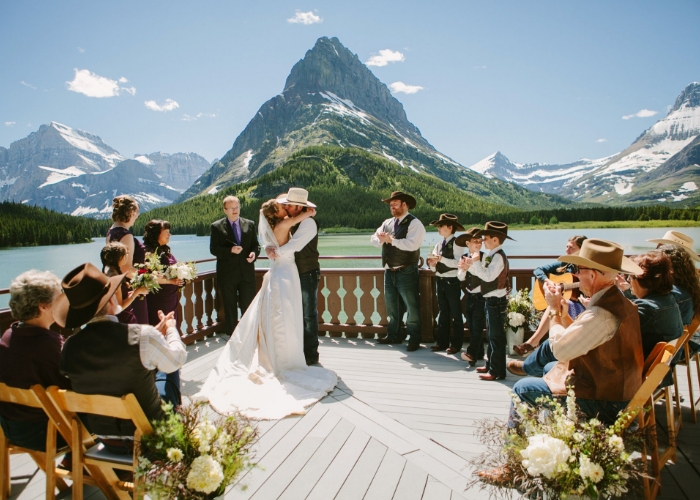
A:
[501,282]
[392,256]
[472,282]
[449,253]
[307,258]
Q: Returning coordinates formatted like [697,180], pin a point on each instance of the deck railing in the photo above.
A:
[350,301]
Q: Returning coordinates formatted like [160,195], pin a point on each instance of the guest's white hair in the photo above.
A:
[31,289]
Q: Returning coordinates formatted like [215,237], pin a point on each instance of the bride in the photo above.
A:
[262,371]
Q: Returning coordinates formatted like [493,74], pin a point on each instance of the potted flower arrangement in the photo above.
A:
[555,452]
[147,274]
[189,456]
[520,313]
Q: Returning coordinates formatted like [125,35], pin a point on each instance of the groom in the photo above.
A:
[304,243]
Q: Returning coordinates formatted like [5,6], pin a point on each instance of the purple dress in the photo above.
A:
[138,307]
[166,299]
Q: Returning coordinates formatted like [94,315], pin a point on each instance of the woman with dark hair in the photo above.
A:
[125,210]
[114,257]
[686,286]
[659,315]
[156,237]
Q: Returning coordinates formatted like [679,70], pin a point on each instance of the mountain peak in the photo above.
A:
[689,98]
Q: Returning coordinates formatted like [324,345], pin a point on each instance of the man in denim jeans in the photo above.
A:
[400,238]
[304,244]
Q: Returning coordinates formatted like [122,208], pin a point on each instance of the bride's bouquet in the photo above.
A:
[190,457]
[147,274]
[182,270]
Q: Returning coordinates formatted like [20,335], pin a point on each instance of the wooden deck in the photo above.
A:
[400,425]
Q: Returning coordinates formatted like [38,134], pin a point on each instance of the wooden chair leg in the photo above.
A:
[694,402]
[50,466]
[77,449]
[5,484]
[689,373]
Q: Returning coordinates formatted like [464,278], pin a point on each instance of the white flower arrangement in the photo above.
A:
[205,474]
[182,270]
[545,455]
[521,311]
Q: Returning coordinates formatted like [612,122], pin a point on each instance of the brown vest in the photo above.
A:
[612,371]
[501,280]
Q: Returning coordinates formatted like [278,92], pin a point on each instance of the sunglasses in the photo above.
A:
[576,269]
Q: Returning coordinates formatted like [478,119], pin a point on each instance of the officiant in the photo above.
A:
[234,243]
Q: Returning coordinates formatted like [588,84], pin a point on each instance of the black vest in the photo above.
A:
[473,281]
[307,258]
[449,253]
[392,255]
[501,281]
[99,360]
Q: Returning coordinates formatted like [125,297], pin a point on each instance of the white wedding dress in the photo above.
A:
[262,371]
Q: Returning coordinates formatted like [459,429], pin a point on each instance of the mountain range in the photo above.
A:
[661,166]
[73,171]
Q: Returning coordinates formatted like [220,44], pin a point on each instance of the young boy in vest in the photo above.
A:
[443,261]
[493,272]
[475,305]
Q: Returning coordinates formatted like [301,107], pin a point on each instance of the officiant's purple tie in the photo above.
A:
[236,232]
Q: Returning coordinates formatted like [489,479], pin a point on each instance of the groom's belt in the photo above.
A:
[398,267]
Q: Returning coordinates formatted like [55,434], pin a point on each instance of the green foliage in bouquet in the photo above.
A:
[520,311]
[558,451]
[190,457]
[147,274]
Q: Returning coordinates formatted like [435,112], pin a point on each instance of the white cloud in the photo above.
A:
[168,105]
[123,80]
[93,85]
[129,90]
[28,85]
[191,118]
[81,50]
[398,87]
[9,124]
[644,113]
[385,57]
[305,18]
[602,140]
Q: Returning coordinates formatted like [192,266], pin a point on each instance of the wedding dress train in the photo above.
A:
[262,371]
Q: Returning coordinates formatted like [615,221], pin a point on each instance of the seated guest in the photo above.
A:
[600,353]
[686,286]
[114,256]
[659,316]
[110,358]
[573,245]
[30,354]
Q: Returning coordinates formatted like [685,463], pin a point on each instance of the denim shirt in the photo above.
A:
[685,303]
[660,320]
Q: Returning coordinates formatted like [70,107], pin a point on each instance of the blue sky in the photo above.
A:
[541,81]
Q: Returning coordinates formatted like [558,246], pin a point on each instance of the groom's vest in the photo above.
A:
[307,258]
[391,255]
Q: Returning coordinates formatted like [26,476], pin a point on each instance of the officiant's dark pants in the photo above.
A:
[309,302]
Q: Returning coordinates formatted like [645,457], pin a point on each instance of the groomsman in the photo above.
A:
[234,243]
[400,239]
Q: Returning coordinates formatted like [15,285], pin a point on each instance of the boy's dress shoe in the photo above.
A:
[412,347]
[482,369]
[437,348]
[488,376]
[387,340]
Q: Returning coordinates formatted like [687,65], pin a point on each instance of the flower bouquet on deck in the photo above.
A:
[555,452]
[520,310]
[190,457]
[147,274]
[185,271]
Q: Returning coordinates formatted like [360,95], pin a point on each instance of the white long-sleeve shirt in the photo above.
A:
[412,241]
[462,276]
[489,272]
[306,232]
[451,263]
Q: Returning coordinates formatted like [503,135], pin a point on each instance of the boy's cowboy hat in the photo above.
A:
[296,196]
[604,256]
[85,291]
[400,195]
[680,239]
[448,220]
[495,228]
[463,239]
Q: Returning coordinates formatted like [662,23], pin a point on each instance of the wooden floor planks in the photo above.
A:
[399,426]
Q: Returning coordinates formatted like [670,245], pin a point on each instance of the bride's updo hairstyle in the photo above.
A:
[269,210]
[122,208]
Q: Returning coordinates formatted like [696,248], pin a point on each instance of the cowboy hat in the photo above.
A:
[296,196]
[463,239]
[604,256]
[400,195]
[495,228]
[680,239]
[448,220]
[85,291]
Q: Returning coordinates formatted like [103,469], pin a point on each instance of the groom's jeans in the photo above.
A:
[402,283]
[309,303]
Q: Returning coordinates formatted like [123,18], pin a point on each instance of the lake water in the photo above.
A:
[62,258]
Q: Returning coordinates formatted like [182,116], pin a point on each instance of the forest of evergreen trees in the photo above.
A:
[23,225]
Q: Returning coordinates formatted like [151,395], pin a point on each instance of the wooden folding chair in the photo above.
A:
[687,360]
[95,455]
[45,460]
[657,364]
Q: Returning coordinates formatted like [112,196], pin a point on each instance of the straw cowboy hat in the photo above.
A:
[463,239]
[495,228]
[448,220]
[296,196]
[604,256]
[85,291]
[680,239]
[400,195]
